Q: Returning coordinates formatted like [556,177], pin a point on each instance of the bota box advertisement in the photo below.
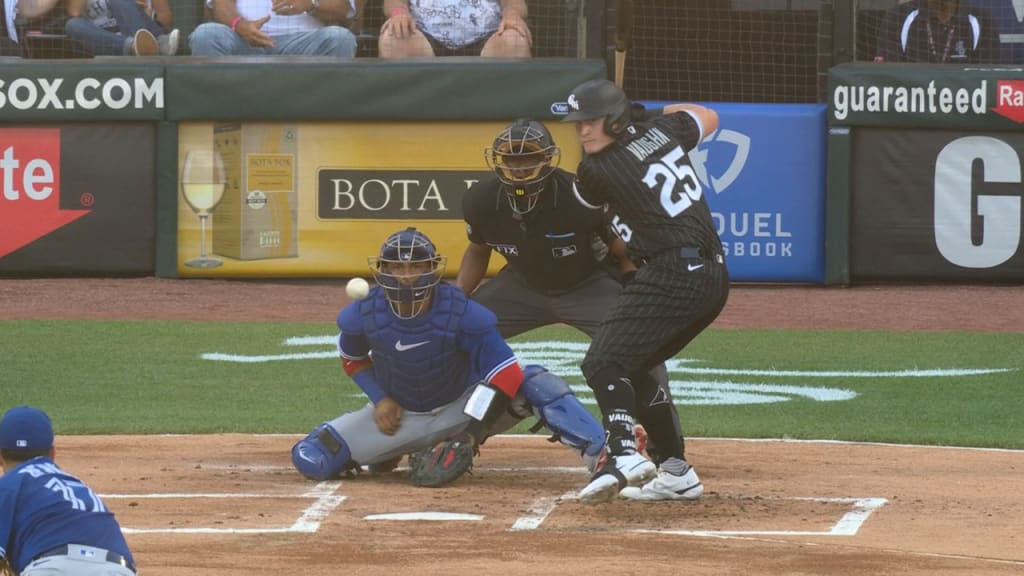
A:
[316,199]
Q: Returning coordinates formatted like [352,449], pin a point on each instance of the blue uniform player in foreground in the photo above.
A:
[50,522]
[433,365]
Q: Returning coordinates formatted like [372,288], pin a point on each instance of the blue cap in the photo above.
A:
[27,429]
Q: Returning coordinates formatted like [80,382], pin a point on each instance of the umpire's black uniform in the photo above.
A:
[646,179]
[554,274]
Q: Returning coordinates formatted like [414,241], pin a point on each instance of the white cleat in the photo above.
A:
[623,471]
[666,486]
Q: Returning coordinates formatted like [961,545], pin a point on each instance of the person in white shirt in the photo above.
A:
[276,27]
[425,28]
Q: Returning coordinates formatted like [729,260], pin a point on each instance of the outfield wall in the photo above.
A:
[925,179]
[327,158]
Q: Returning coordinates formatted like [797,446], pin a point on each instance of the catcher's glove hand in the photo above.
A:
[444,462]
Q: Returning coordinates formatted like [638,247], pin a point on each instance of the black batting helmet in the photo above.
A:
[523,156]
[597,98]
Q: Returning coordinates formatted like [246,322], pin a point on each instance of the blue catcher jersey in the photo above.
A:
[43,507]
[427,361]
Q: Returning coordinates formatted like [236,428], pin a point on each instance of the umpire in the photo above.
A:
[642,173]
[554,248]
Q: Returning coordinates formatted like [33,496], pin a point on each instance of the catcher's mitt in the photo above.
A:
[444,462]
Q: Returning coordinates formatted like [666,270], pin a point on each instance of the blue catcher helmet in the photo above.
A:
[408,268]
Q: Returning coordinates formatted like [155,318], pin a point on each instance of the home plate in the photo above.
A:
[431,516]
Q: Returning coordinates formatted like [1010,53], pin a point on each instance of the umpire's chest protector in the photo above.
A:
[417,361]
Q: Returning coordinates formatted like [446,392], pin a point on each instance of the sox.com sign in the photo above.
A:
[978,191]
[30,204]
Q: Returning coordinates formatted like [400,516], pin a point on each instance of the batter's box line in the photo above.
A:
[847,525]
[325,501]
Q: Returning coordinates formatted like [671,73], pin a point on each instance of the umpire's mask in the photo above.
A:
[523,156]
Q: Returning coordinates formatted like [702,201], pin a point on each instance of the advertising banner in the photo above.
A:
[937,205]
[315,199]
[77,199]
[927,96]
[68,91]
[764,173]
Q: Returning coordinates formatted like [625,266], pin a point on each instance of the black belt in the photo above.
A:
[112,557]
[688,252]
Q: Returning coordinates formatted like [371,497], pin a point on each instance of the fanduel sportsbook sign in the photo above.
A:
[927,96]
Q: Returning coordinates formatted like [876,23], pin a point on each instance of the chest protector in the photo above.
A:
[417,362]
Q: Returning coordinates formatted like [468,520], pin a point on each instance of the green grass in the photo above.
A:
[148,377]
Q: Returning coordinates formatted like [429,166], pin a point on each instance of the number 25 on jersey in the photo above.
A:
[675,181]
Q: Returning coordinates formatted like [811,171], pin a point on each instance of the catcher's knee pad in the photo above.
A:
[557,407]
[321,455]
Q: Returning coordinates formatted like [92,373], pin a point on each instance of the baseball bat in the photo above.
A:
[623,37]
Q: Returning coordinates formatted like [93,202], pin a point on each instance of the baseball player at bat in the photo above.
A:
[50,522]
[434,367]
[641,172]
[554,249]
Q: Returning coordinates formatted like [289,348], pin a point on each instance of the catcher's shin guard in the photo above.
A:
[321,455]
[557,408]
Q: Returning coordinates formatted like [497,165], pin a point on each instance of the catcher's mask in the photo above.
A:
[523,156]
[408,268]
[597,98]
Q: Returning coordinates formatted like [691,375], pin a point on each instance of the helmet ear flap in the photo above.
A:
[616,122]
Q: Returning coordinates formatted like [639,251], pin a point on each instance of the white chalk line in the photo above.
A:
[534,437]
[323,496]
[847,525]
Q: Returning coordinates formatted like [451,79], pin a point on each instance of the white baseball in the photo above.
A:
[357,288]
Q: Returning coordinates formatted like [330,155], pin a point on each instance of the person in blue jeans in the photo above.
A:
[122,27]
[277,27]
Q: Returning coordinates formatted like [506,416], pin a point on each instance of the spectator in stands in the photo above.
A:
[1008,16]
[277,27]
[123,27]
[938,32]
[424,28]
[39,12]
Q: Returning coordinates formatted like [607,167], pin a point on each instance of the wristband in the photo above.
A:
[234,23]
[398,10]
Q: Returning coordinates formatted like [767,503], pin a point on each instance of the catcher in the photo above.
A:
[50,522]
[439,377]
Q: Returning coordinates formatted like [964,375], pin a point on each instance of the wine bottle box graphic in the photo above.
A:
[257,217]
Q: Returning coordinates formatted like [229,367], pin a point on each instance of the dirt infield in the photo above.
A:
[231,504]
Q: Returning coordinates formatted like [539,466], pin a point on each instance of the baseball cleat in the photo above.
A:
[667,486]
[619,472]
[641,446]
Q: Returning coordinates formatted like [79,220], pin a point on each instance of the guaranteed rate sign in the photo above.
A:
[927,96]
[30,168]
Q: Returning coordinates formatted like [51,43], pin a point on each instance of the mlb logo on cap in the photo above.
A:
[26,428]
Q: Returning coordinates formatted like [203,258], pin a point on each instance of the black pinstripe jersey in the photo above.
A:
[654,196]
[551,246]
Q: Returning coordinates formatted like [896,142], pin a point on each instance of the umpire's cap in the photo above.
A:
[26,428]
[597,98]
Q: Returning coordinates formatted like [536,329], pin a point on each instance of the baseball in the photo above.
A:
[357,288]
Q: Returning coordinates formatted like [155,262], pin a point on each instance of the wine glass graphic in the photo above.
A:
[202,184]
